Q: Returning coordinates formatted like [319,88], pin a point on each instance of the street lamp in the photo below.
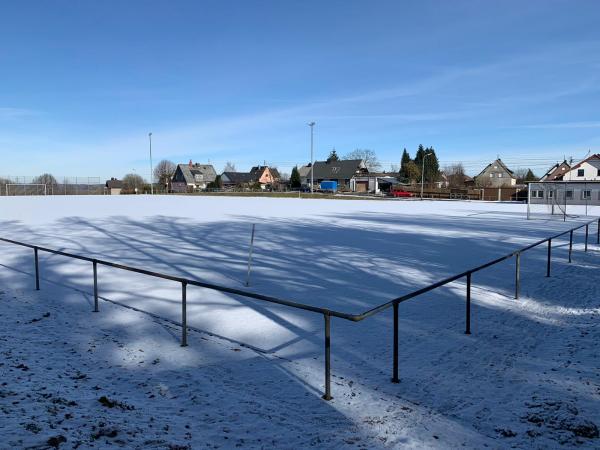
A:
[151,176]
[312,162]
[423,173]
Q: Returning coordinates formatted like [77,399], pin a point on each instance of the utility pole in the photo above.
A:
[423,173]
[312,161]
[151,169]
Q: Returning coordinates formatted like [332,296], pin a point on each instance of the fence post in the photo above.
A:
[549,257]
[518,275]
[95,266]
[587,226]
[468,311]
[327,395]
[37,269]
[395,378]
[184,314]
[570,244]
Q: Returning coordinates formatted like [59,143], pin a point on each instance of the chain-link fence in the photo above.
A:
[44,185]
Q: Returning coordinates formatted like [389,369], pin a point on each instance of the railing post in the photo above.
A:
[518,276]
[395,378]
[598,233]
[549,257]
[570,244]
[587,226]
[468,309]
[327,395]
[184,314]
[95,266]
[37,269]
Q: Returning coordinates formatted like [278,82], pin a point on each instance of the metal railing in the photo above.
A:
[327,313]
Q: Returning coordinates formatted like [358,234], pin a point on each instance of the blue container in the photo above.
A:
[329,186]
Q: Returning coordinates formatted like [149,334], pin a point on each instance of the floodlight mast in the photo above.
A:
[312,162]
[151,170]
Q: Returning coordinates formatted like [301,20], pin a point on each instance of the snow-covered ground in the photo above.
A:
[528,376]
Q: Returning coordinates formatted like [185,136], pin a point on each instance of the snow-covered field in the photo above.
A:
[252,376]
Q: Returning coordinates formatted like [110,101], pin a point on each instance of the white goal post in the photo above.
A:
[26,189]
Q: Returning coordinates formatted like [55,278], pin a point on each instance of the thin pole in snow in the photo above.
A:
[250,255]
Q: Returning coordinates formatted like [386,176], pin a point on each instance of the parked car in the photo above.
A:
[400,193]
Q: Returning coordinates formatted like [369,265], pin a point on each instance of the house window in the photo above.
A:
[198,177]
[598,172]
[491,175]
[499,175]
[586,194]
[569,195]
[580,172]
[550,194]
[537,194]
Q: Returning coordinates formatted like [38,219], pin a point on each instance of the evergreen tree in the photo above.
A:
[419,159]
[419,156]
[403,162]
[530,176]
[413,172]
[295,181]
[333,156]
[432,165]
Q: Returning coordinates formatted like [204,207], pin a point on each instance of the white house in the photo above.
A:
[586,170]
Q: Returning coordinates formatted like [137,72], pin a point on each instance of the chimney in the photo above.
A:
[190,163]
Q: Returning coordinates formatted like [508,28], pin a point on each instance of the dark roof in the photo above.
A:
[555,172]
[236,177]
[589,159]
[338,170]
[274,173]
[189,172]
[257,171]
[113,183]
[498,162]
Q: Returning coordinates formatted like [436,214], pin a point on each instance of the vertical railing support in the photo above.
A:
[549,257]
[184,314]
[518,276]
[37,269]
[570,245]
[395,378]
[587,228]
[95,267]
[468,311]
[598,233]
[327,395]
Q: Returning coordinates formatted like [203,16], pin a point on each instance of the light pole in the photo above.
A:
[151,176]
[423,173]
[312,162]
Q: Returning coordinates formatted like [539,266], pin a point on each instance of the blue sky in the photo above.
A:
[83,82]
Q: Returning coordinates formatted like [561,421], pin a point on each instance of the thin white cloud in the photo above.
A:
[15,113]
[562,125]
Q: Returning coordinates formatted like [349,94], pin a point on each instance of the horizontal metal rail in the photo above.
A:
[327,313]
[448,280]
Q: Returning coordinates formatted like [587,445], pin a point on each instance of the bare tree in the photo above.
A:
[46,178]
[229,167]
[455,174]
[368,156]
[164,171]
[133,183]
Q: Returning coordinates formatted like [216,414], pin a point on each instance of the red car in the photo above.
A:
[400,193]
